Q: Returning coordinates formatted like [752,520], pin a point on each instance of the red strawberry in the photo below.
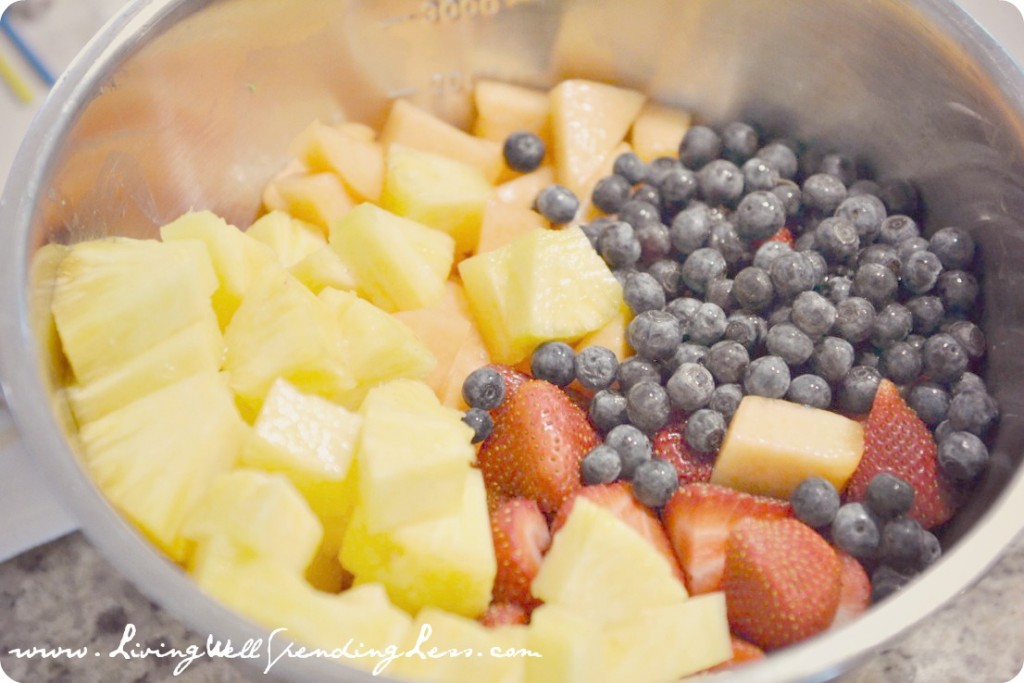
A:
[699,517]
[513,380]
[618,498]
[539,438]
[670,444]
[855,590]
[783,235]
[742,652]
[521,537]
[896,440]
[782,581]
[504,614]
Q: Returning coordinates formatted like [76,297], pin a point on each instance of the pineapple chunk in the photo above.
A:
[317,198]
[592,565]
[504,223]
[283,330]
[485,278]
[399,264]
[346,151]
[323,268]
[504,108]
[436,191]
[378,346]
[43,278]
[289,238]
[446,562]
[570,647]
[236,257]
[612,335]
[115,298]
[588,119]
[155,457]
[658,130]
[254,515]
[412,456]
[522,191]
[772,445]
[196,348]
[411,126]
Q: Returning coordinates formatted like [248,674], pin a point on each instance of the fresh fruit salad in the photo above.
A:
[625,395]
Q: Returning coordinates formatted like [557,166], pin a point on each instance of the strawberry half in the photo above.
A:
[855,589]
[618,498]
[539,438]
[896,440]
[782,581]
[521,537]
[698,519]
[669,444]
[504,614]
[742,652]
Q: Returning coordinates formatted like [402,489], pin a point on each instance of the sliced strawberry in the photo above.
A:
[784,235]
[699,517]
[539,438]
[618,498]
[896,440]
[521,537]
[742,652]
[504,614]
[855,590]
[782,581]
[669,444]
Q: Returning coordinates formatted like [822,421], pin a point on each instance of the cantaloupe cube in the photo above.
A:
[291,239]
[611,336]
[522,191]
[505,108]
[588,119]
[437,191]
[442,330]
[504,223]
[658,130]
[399,264]
[772,445]
[318,198]
[471,355]
[411,126]
[358,161]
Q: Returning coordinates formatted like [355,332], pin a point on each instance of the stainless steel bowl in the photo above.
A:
[190,103]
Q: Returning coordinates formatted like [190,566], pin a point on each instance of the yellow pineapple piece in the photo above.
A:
[485,278]
[412,456]
[504,108]
[283,330]
[155,457]
[504,223]
[412,126]
[290,239]
[317,198]
[522,191]
[772,445]
[436,191]
[115,298]
[612,335]
[254,514]
[588,119]
[235,256]
[399,264]
[346,151]
[446,562]
[323,268]
[196,348]
[658,130]
[570,646]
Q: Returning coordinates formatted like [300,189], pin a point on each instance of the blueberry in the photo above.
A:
[930,401]
[669,274]
[958,290]
[647,194]
[866,186]
[687,352]
[836,239]
[868,357]
[789,343]
[779,315]
[648,406]
[865,211]
[883,254]
[909,246]
[699,146]
[636,212]
[523,151]
[602,465]
[727,362]
[969,382]
[630,166]
[840,166]
[619,245]
[654,482]
[739,142]
[720,293]
[595,228]
[655,334]
[707,325]
[943,429]
[836,288]
[608,410]
[643,293]
[810,390]
[974,412]
[610,193]
[815,502]
[690,386]
[759,215]
[892,324]
[954,248]
[752,289]
[857,390]
[856,531]
[728,243]
[780,156]
[558,204]
[720,182]
[790,195]
[813,314]
[596,367]
[684,308]
[634,370]
[931,550]
[885,581]
[725,399]
[920,272]
[876,283]
[791,274]
[484,388]
[833,358]
[969,336]
[927,313]
[902,543]
[901,363]
[676,188]
[758,174]
[896,228]
[916,341]
[855,318]
[889,496]
[701,267]
[767,376]
[768,252]
[746,329]
[691,229]
[632,445]
[659,168]
[705,430]
[823,193]
[819,266]
[480,422]
[944,359]
[963,457]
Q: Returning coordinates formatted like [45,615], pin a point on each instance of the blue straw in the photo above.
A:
[30,56]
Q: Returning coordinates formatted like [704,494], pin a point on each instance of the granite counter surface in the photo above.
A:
[65,594]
